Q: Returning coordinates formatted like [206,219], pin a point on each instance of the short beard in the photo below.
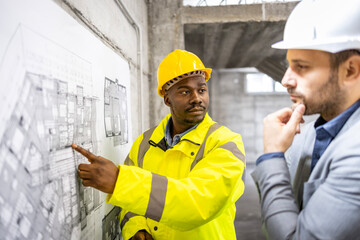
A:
[331,99]
[194,122]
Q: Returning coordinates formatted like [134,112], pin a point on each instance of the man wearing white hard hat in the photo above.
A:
[309,181]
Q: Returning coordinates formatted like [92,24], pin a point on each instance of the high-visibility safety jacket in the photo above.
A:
[185,192]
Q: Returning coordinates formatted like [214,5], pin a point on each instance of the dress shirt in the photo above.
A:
[171,142]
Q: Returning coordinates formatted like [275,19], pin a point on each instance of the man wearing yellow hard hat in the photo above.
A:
[181,178]
[309,180]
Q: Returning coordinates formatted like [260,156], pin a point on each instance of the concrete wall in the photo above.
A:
[123,26]
[242,112]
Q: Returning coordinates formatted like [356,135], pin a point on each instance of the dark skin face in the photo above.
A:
[188,101]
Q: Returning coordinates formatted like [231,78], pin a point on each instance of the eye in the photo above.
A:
[301,66]
[185,92]
[202,90]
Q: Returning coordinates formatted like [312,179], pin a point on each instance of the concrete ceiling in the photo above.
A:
[238,44]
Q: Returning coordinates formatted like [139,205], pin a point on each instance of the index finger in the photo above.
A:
[296,117]
[83,152]
[282,115]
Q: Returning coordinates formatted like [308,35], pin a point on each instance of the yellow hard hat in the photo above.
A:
[177,63]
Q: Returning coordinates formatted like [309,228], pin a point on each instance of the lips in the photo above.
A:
[293,98]
[293,95]
[196,109]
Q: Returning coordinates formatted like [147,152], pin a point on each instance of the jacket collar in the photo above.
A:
[196,136]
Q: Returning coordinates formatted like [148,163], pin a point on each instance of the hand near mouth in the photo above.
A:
[281,127]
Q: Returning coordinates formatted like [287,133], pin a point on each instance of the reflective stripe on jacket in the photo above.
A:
[185,192]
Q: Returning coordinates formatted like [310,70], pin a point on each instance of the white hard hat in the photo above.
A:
[327,25]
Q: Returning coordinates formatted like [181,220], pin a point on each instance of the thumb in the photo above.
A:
[296,117]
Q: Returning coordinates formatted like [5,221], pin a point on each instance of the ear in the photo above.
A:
[352,65]
[167,100]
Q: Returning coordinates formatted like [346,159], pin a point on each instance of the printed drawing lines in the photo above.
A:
[40,196]
[115,111]
[49,108]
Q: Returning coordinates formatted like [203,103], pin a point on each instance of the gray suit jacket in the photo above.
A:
[322,205]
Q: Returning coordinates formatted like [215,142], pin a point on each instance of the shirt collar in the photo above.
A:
[171,142]
[334,126]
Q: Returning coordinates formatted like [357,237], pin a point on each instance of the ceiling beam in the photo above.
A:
[237,13]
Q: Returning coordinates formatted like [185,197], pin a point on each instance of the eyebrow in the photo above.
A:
[299,61]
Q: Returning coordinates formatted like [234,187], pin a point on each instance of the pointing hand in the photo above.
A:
[101,173]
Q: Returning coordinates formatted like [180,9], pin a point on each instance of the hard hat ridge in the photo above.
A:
[327,25]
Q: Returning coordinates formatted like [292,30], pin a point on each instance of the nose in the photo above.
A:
[288,79]
[195,98]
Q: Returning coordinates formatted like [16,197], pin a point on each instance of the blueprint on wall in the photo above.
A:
[115,114]
[56,90]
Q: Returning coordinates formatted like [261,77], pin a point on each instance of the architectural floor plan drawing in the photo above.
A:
[48,104]
[115,108]
[40,196]
[110,225]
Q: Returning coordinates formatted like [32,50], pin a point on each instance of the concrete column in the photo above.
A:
[165,34]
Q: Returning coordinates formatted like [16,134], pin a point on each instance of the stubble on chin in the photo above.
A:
[194,121]
[294,105]
[297,103]
[307,111]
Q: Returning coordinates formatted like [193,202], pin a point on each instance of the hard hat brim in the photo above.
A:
[334,46]
[207,77]
[207,73]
